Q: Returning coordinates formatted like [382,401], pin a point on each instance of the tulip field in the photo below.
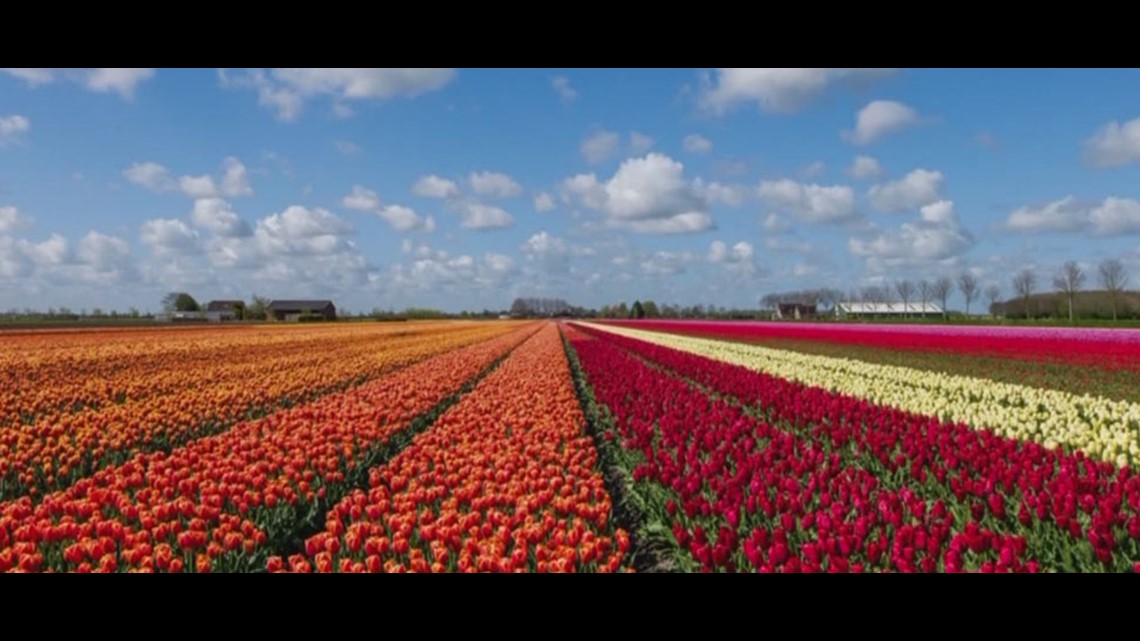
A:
[573,446]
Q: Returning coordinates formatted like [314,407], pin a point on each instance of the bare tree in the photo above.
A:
[941,290]
[1023,284]
[1114,279]
[1069,282]
[925,293]
[993,294]
[905,288]
[968,285]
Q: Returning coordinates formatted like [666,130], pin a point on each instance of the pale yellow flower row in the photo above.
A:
[1101,427]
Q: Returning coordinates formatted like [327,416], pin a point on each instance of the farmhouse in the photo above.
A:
[222,310]
[794,310]
[885,310]
[291,310]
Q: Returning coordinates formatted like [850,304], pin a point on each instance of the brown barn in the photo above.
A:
[291,310]
[225,310]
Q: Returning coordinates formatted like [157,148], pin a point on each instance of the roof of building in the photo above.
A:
[889,308]
[223,305]
[299,305]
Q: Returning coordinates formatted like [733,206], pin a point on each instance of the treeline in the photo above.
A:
[650,309]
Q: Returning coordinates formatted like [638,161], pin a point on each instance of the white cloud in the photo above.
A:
[299,230]
[646,195]
[219,217]
[778,90]
[11,220]
[775,224]
[480,216]
[919,187]
[435,187]
[599,146]
[235,182]
[1112,217]
[101,80]
[544,202]
[561,85]
[813,170]
[103,252]
[151,175]
[198,186]
[865,168]
[347,148]
[12,128]
[880,118]
[697,144]
[1114,144]
[399,217]
[53,251]
[286,90]
[169,237]
[495,185]
[640,143]
[720,194]
[936,236]
[663,263]
[719,252]
[787,246]
[812,203]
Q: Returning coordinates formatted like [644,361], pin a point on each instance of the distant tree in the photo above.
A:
[651,310]
[133,312]
[637,311]
[925,293]
[258,308]
[993,294]
[520,308]
[180,302]
[1114,279]
[968,285]
[1024,282]
[1069,282]
[97,312]
[905,289]
[941,289]
[622,310]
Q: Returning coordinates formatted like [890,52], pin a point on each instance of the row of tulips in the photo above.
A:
[228,502]
[504,481]
[44,375]
[1100,427]
[761,489]
[1101,348]
[53,453]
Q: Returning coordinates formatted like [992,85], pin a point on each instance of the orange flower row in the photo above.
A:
[49,373]
[216,503]
[54,452]
[504,481]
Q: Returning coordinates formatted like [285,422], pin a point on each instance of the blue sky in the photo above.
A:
[457,188]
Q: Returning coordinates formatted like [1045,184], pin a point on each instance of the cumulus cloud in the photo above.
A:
[12,220]
[100,80]
[775,224]
[814,169]
[286,90]
[1114,144]
[719,252]
[935,236]
[599,146]
[480,216]
[697,144]
[198,186]
[433,186]
[219,217]
[880,118]
[399,217]
[12,128]
[809,202]
[561,86]
[716,193]
[640,143]
[865,168]
[1112,217]
[544,202]
[150,175]
[645,195]
[495,185]
[235,182]
[919,187]
[168,237]
[777,90]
